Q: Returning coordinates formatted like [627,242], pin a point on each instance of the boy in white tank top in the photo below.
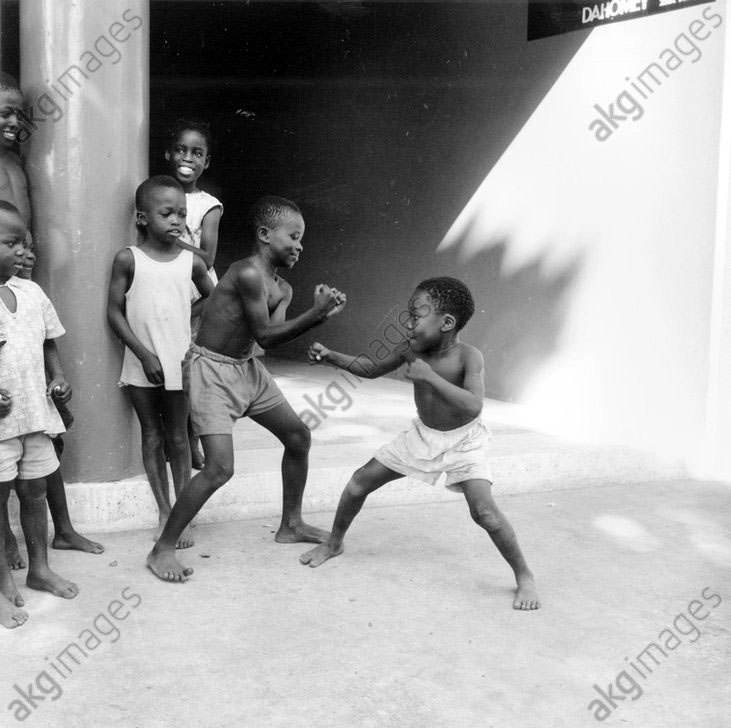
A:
[149,309]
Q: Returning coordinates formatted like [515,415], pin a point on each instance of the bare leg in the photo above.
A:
[487,515]
[33,519]
[10,600]
[12,554]
[284,424]
[196,456]
[219,468]
[361,484]
[65,536]
[175,426]
[147,403]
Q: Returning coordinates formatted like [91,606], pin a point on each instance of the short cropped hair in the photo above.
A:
[268,212]
[159,180]
[146,187]
[450,295]
[182,125]
[9,207]
[8,82]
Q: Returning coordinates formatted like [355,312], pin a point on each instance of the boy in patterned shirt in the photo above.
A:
[29,326]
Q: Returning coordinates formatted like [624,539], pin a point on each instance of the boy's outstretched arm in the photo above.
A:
[267,332]
[469,396]
[361,365]
[122,270]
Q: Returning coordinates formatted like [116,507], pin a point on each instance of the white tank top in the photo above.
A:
[158,312]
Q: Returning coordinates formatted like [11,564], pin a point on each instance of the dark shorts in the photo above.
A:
[222,389]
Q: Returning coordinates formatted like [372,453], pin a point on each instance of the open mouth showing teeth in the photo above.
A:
[10,133]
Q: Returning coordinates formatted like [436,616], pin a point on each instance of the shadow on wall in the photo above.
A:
[519,315]
[518,324]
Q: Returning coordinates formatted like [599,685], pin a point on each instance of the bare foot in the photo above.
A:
[10,591]
[186,539]
[301,532]
[526,596]
[45,580]
[320,554]
[165,566]
[10,615]
[12,554]
[76,542]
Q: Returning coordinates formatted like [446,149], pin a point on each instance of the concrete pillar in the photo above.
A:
[84,71]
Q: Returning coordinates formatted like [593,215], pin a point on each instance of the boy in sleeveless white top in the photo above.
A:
[149,309]
[188,155]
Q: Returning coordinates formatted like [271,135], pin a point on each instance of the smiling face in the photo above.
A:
[11,103]
[188,157]
[12,243]
[163,214]
[285,239]
[28,262]
[426,327]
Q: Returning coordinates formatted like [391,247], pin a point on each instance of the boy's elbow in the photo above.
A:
[475,409]
[359,370]
[363,374]
[113,319]
[265,341]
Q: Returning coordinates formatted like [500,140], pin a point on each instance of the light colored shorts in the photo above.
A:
[222,389]
[424,453]
[27,457]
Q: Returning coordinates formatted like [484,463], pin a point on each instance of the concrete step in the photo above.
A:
[350,419]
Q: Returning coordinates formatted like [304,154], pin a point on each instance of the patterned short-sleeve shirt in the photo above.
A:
[22,368]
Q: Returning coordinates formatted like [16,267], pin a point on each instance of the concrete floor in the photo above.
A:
[412,626]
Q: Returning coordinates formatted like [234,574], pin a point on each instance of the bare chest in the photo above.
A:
[450,368]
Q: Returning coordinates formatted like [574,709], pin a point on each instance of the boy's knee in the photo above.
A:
[30,490]
[218,473]
[299,440]
[153,439]
[359,484]
[487,517]
[177,439]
